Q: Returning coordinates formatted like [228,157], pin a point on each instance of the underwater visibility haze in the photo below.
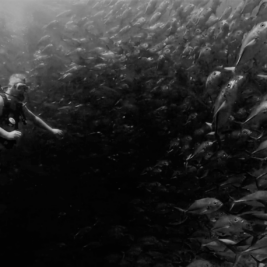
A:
[163,104]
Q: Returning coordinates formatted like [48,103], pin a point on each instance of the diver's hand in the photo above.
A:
[57,132]
[14,135]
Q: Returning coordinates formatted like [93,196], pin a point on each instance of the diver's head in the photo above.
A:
[17,87]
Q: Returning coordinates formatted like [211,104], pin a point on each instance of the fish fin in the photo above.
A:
[243,241]
[261,175]
[190,157]
[221,107]
[178,223]
[238,122]
[262,202]
[257,184]
[250,154]
[209,124]
[210,134]
[237,258]
[232,69]
[182,210]
[216,119]
[251,43]
[244,36]
[235,186]
[232,203]
[259,262]
[259,137]
[204,211]
[248,120]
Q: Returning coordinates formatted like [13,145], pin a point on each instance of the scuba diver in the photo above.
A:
[13,110]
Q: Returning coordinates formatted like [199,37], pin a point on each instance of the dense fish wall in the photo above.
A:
[164,107]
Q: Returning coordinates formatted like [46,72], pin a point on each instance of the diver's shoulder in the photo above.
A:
[2,102]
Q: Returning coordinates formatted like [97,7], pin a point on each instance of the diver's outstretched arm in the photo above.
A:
[40,123]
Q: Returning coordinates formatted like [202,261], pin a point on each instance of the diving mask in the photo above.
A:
[21,87]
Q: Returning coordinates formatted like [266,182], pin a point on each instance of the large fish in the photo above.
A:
[203,206]
[260,196]
[225,101]
[252,43]
[226,13]
[258,114]
[249,6]
[221,117]
[200,150]
[261,13]
[215,4]
[229,224]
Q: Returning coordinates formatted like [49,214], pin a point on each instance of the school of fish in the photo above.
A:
[224,61]
[214,66]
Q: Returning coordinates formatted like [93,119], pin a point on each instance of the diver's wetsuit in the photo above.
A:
[11,118]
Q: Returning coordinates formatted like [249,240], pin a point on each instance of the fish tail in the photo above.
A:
[257,261]
[232,206]
[249,153]
[179,223]
[232,203]
[189,157]
[258,137]
[263,174]
[237,258]
[209,124]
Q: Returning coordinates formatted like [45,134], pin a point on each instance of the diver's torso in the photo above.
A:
[10,117]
